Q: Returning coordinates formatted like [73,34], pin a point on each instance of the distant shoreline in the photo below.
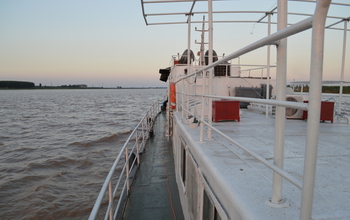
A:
[60,88]
[10,84]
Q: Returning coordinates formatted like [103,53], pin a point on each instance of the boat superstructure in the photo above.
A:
[256,167]
[231,161]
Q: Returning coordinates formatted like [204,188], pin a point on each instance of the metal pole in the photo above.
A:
[137,148]
[202,61]
[280,111]
[204,77]
[188,67]
[147,124]
[313,121]
[342,66]
[110,197]
[210,80]
[143,131]
[127,169]
[268,65]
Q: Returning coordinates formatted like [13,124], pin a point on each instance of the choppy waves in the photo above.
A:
[57,147]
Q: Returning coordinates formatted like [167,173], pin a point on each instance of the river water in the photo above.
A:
[57,147]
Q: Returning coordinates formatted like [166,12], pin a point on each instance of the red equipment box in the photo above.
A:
[327,111]
[225,110]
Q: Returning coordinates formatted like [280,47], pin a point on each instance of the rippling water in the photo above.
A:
[57,147]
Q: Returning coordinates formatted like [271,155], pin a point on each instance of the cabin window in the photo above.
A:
[222,70]
[183,162]
[209,209]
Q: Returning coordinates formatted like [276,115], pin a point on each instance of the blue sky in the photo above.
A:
[106,42]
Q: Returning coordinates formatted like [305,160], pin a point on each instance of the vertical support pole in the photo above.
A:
[143,131]
[137,148]
[188,61]
[210,77]
[177,106]
[342,66]
[201,133]
[281,81]
[314,108]
[110,198]
[127,169]
[268,66]
[147,124]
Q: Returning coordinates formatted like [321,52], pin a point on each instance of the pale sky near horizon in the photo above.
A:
[106,42]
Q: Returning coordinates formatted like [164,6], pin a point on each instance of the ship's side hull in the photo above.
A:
[203,193]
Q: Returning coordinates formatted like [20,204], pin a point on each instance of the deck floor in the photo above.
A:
[236,176]
[154,193]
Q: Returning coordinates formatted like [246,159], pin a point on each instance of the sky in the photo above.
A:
[107,43]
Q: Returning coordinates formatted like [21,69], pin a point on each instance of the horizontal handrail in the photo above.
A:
[150,114]
[278,170]
[288,104]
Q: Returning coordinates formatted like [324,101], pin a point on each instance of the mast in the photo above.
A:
[202,44]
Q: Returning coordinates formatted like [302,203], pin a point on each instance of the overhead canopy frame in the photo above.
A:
[191,11]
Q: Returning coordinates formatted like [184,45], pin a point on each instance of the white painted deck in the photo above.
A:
[240,180]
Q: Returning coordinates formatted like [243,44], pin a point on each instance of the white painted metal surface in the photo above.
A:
[343,64]
[313,122]
[281,82]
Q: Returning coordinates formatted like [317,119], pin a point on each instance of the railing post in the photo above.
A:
[188,65]
[313,120]
[201,133]
[211,71]
[342,66]
[268,66]
[281,81]
[143,133]
[110,197]
[137,148]
[147,124]
[127,169]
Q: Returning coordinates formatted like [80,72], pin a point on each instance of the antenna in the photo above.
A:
[202,42]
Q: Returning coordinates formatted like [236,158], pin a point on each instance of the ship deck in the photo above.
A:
[234,174]
[154,193]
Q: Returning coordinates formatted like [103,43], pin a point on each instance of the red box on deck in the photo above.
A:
[225,110]
[327,111]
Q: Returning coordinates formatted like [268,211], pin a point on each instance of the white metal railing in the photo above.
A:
[117,184]
[278,170]
[317,21]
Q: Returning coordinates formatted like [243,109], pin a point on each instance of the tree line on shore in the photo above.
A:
[325,89]
[31,85]
[16,85]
